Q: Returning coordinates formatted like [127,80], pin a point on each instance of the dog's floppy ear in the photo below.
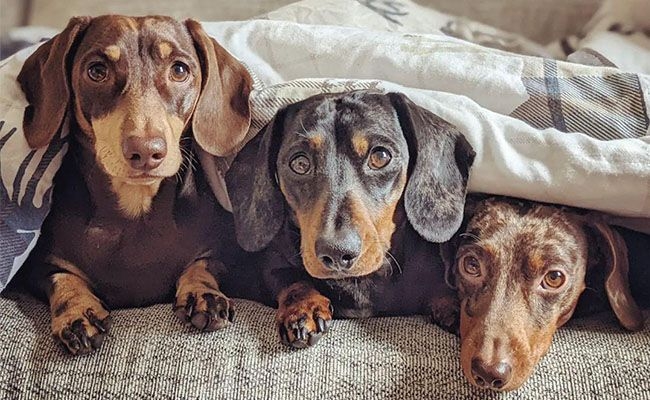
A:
[615,261]
[435,193]
[46,82]
[222,115]
[258,205]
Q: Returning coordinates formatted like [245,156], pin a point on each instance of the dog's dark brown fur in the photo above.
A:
[133,219]
[348,194]
[520,268]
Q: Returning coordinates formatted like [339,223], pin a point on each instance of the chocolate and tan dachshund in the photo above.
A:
[520,268]
[346,197]
[133,221]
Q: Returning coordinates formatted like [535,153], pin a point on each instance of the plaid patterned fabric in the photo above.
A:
[606,107]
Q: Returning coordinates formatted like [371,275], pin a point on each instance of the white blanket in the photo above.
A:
[485,92]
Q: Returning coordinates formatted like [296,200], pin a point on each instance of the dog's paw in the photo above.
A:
[303,317]
[445,312]
[80,330]
[206,309]
[199,302]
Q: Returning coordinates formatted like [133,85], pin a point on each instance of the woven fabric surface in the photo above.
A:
[150,355]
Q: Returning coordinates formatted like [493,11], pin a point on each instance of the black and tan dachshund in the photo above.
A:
[346,196]
[133,220]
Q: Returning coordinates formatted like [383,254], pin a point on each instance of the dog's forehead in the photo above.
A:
[494,215]
[115,34]
[537,234]
[332,117]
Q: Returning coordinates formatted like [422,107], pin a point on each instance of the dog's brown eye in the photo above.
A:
[471,266]
[379,158]
[553,280]
[179,72]
[98,72]
[300,164]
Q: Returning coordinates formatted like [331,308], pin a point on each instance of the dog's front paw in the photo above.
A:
[81,328]
[445,312]
[303,316]
[206,309]
[199,302]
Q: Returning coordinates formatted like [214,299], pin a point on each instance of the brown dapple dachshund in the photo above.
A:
[345,196]
[520,268]
[133,218]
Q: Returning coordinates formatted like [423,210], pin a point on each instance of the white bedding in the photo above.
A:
[476,88]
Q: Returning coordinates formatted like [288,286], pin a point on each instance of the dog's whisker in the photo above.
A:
[399,267]
[593,290]
[304,132]
[469,235]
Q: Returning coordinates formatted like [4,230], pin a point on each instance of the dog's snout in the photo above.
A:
[491,376]
[144,153]
[339,251]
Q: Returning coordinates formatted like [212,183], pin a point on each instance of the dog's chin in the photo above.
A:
[120,172]
[319,271]
[130,176]
[141,179]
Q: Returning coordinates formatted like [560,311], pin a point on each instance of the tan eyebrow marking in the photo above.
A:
[360,144]
[164,49]
[316,141]
[113,53]
[536,262]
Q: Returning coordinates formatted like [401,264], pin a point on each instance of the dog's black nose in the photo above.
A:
[144,153]
[340,251]
[491,376]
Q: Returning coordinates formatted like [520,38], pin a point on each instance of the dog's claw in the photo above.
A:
[284,336]
[323,326]
[69,340]
[80,332]
[102,326]
[189,306]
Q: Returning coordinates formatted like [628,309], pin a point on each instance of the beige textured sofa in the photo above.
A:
[150,355]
